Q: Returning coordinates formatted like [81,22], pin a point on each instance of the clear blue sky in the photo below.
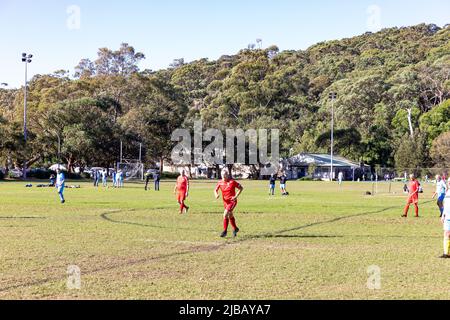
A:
[192,29]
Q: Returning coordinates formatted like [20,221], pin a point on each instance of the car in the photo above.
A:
[16,173]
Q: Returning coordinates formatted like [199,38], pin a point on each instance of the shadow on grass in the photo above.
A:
[106,216]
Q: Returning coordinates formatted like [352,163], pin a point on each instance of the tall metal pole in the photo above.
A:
[59,149]
[25,135]
[121,158]
[27,59]
[333,98]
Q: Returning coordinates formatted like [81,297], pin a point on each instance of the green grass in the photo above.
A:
[131,244]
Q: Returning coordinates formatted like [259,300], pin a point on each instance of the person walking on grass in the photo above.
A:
[413,196]
[445,219]
[60,184]
[441,190]
[228,188]
[182,191]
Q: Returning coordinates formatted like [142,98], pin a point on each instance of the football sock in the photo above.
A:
[406,210]
[233,223]
[446,245]
[416,207]
[226,221]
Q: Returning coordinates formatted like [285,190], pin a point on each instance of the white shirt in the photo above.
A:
[441,187]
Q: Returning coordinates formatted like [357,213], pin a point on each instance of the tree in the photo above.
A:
[440,150]
[122,62]
[88,133]
[411,154]
[162,111]
[436,122]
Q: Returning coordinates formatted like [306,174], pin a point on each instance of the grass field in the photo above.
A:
[131,244]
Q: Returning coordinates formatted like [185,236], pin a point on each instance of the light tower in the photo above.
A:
[26,58]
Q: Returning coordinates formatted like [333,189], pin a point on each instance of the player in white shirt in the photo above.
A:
[441,190]
[60,184]
[105,178]
[446,222]
[340,177]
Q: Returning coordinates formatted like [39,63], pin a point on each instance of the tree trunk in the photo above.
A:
[29,163]
[70,164]
[411,129]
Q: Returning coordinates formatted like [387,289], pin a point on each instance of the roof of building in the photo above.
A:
[320,160]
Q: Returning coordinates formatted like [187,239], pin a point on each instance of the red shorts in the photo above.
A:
[230,205]
[413,200]
[181,196]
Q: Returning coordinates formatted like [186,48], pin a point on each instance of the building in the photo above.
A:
[319,167]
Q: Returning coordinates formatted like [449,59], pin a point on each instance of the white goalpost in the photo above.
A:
[133,169]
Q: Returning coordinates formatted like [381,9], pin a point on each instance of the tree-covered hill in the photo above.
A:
[382,81]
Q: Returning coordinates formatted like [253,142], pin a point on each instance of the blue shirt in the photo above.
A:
[60,180]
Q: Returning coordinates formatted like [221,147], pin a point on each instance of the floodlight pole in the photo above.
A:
[121,145]
[333,97]
[26,58]
[59,148]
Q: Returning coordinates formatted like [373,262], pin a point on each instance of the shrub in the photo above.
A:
[40,174]
[169,175]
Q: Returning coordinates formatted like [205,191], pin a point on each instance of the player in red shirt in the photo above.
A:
[228,188]
[182,191]
[413,198]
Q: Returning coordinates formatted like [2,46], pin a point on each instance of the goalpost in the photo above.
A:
[133,169]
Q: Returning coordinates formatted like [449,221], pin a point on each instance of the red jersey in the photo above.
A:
[228,189]
[414,188]
[182,184]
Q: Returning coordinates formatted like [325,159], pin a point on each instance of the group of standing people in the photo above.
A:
[227,187]
[102,175]
[442,194]
[272,184]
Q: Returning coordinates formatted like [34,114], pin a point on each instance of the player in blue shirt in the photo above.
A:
[60,184]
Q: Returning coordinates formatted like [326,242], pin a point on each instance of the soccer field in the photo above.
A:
[318,243]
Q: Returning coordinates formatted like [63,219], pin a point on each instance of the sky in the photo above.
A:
[59,33]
